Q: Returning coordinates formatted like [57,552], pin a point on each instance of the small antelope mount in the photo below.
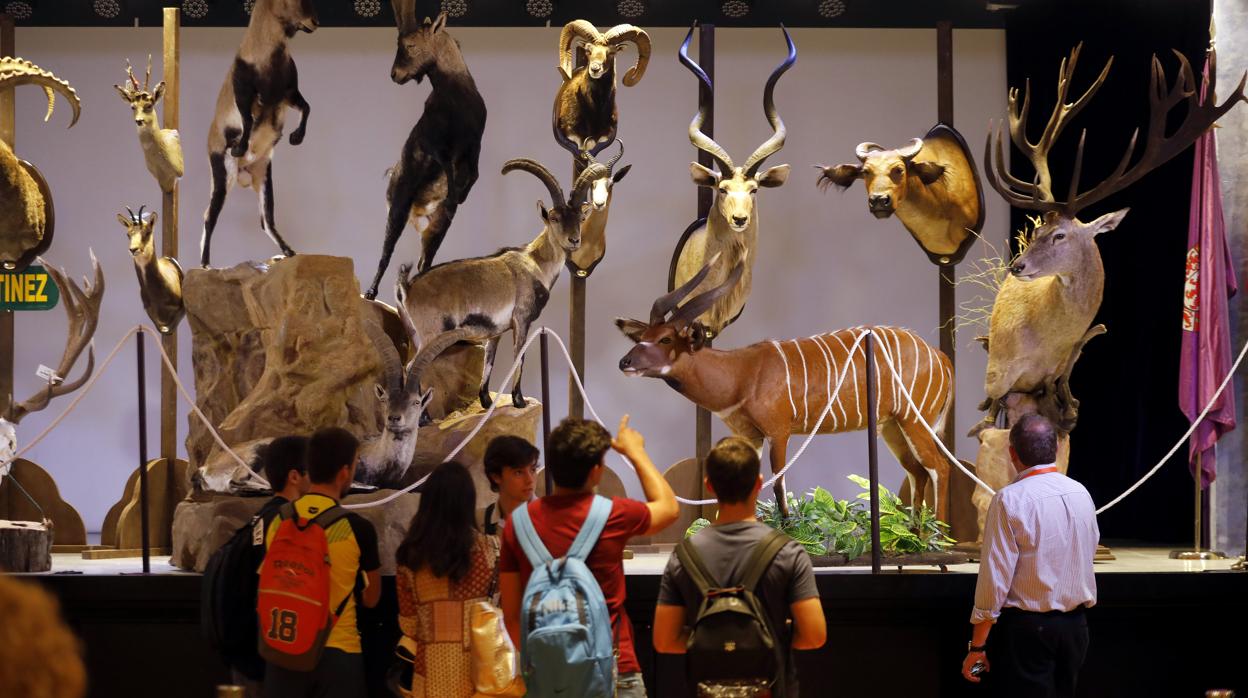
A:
[593,248]
[160,278]
[27,217]
[730,232]
[585,111]
[930,183]
[162,148]
[251,112]
[438,165]
[482,298]
[1043,311]
[772,390]
[82,308]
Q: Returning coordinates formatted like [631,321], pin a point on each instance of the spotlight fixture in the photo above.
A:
[631,8]
[455,8]
[539,8]
[832,8]
[108,9]
[735,9]
[19,9]
[367,8]
[195,9]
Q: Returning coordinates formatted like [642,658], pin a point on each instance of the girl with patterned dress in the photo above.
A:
[444,563]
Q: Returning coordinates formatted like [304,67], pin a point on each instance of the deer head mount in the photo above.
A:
[162,148]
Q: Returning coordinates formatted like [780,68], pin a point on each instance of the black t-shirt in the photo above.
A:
[725,550]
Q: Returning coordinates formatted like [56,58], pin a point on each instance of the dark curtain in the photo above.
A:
[1127,379]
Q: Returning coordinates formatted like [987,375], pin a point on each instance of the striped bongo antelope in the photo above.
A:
[774,389]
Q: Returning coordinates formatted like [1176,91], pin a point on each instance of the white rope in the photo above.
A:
[99,371]
[943,448]
[471,435]
[1225,381]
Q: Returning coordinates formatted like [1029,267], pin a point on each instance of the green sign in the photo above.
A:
[29,289]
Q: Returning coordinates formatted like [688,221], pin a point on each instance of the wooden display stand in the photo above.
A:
[68,532]
[122,533]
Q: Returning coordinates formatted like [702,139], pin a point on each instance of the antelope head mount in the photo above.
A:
[735,187]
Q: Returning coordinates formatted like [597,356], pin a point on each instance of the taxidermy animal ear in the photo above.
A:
[841,175]
[620,174]
[122,91]
[633,329]
[702,176]
[121,218]
[158,92]
[440,23]
[1107,222]
[380,392]
[424,399]
[928,172]
[541,210]
[773,176]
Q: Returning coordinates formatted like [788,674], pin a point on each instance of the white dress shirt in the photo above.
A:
[1040,537]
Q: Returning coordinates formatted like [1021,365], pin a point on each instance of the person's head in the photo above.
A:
[443,531]
[41,656]
[575,451]
[331,458]
[1033,441]
[511,467]
[285,465]
[732,471]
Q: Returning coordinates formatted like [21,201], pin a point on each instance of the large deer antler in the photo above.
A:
[1158,147]
[82,307]
[700,140]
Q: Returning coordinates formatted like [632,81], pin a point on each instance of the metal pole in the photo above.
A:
[947,269]
[706,97]
[576,309]
[8,47]
[147,563]
[550,483]
[873,463]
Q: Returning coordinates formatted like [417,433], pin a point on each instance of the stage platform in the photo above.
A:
[1163,628]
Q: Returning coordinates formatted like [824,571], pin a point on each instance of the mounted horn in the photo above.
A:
[772,145]
[700,140]
[15,71]
[391,364]
[431,351]
[694,309]
[638,37]
[667,302]
[612,161]
[909,151]
[538,170]
[593,171]
[405,15]
[573,30]
[864,150]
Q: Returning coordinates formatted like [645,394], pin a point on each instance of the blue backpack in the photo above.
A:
[567,648]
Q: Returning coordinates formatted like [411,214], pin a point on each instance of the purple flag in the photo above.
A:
[1210,282]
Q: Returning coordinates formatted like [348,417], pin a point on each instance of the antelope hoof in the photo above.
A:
[518,401]
[296,137]
[486,400]
[238,150]
[287,252]
[370,294]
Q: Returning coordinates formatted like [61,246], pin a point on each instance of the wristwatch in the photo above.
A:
[972,647]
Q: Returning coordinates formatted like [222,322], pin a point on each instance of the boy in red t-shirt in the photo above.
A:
[575,455]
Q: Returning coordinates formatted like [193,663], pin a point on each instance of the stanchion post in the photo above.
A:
[550,484]
[706,97]
[873,463]
[142,371]
[8,47]
[946,269]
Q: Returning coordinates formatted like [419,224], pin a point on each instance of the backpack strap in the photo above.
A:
[527,536]
[591,529]
[765,550]
[693,565]
[489,527]
[328,518]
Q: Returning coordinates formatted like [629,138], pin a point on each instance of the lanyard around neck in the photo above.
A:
[1040,471]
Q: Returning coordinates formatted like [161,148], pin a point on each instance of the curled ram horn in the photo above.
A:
[573,30]
[15,71]
[627,33]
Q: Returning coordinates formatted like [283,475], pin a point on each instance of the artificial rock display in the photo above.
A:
[282,348]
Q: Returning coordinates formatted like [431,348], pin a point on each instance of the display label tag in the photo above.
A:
[48,374]
[29,289]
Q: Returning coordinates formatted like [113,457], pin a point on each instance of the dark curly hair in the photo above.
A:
[443,531]
[575,447]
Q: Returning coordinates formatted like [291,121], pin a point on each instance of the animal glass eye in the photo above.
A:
[665,340]
[1059,236]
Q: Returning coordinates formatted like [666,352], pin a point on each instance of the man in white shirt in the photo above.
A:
[1035,577]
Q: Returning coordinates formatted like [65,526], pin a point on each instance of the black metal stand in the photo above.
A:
[706,97]
[147,551]
[550,484]
[873,463]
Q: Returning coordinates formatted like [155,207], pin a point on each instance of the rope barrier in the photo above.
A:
[519,360]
